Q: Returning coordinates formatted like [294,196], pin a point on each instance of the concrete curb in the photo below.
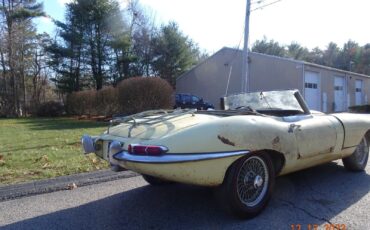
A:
[9,192]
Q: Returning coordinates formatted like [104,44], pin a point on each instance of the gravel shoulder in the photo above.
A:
[70,182]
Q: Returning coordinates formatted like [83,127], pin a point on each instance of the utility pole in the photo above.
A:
[245,67]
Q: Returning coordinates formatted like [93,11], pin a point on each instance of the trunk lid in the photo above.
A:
[156,125]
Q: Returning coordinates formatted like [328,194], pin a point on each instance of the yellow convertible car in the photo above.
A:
[240,149]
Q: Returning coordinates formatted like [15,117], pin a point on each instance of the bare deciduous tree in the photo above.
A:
[17,31]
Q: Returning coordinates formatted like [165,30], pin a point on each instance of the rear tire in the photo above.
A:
[155,180]
[358,160]
[248,185]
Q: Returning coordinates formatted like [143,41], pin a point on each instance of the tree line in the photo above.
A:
[97,44]
[351,56]
[20,54]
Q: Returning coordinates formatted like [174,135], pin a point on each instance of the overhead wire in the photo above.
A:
[269,4]
[241,38]
[257,2]
[260,7]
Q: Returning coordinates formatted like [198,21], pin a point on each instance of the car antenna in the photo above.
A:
[228,80]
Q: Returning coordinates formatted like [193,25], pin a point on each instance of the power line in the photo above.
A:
[257,2]
[245,68]
[269,4]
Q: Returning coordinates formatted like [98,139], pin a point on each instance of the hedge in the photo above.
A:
[50,109]
[130,96]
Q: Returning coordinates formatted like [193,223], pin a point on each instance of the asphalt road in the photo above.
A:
[321,195]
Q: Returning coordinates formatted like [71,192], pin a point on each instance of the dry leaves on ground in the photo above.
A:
[44,158]
[71,186]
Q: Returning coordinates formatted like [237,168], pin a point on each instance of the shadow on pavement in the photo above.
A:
[311,196]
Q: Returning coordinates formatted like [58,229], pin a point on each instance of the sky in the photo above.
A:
[214,24]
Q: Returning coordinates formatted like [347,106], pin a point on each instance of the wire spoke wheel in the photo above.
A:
[248,185]
[252,181]
[358,160]
[362,151]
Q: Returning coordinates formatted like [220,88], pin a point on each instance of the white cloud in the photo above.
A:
[123,3]
[63,2]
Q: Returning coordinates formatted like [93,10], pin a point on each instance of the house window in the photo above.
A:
[310,85]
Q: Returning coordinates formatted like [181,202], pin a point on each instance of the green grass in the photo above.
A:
[39,148]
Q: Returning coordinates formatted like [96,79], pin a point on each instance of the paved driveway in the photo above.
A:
[321,195]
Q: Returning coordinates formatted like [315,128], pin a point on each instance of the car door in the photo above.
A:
[187,101]
[315,135]
[196,102]
[184,101]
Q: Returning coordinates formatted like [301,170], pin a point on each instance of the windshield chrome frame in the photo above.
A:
[234,101]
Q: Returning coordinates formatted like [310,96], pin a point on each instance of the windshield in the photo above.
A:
[270,100]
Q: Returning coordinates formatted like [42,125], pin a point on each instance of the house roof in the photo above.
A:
[205,60]
[277,57]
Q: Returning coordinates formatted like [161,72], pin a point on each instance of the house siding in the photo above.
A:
[327,77]
[268,73]
[210,78]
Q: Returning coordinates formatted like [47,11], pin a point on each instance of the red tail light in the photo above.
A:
[150,150]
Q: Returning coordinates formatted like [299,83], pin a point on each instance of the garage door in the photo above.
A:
[358,93]
[339,94]
[312,90]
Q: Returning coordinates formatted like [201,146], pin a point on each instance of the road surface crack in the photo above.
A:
[314,191]
[305,211]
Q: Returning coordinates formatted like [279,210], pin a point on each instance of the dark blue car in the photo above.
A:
[184,100]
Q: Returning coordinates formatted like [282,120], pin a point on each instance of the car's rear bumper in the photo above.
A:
[175,158]
[206,169]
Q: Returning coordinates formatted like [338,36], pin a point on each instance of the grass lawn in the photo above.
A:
[38,148]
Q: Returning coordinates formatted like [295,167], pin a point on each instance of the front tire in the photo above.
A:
[358,160]
[155,180]
[248,185]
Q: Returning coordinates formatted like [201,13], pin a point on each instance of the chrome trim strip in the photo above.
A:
[175,158]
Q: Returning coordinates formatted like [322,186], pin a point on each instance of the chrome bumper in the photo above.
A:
[174,158]
[88,145]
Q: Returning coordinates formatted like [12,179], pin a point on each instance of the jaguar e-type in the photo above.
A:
[240,150]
